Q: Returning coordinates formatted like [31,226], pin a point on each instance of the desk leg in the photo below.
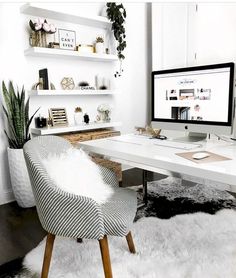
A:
[145,186]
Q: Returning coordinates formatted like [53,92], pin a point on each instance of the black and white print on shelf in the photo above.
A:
[67,39]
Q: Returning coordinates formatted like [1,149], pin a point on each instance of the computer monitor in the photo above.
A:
[195,99]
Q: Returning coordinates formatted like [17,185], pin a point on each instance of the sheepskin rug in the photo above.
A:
[195,245]
[182,233]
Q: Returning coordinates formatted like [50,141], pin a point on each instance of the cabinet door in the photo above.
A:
[169,35]
[215,33]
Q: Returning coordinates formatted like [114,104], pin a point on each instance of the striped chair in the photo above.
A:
[65,214]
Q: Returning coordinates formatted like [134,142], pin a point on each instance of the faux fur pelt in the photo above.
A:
[74,172]
[195,245]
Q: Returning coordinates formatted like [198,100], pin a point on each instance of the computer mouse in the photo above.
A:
[200,155]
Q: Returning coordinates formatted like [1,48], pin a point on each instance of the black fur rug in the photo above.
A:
[168,197]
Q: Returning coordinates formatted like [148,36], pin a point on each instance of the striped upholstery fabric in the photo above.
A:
[70,215]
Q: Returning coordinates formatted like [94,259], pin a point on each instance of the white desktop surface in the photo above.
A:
[141,152]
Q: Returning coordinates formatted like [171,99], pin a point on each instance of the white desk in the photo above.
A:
[144,154]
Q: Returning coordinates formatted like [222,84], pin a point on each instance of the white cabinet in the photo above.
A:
[187,34]
[169,35]
[214,33]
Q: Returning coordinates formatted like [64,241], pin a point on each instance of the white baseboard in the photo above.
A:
[6,197]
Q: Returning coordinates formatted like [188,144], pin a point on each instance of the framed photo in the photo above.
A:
[58,116]
[67,39]
[43,73]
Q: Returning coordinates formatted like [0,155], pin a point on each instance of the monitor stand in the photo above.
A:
[191,137]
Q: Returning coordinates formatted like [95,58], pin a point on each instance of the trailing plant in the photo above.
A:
[16,111]
[116,13]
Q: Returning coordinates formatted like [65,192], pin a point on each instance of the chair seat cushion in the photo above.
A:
[119,211]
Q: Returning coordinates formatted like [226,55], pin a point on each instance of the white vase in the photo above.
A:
[99,47]
[78,117]
[20,181]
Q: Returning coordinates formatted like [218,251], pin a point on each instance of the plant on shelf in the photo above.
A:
[104,112]
[18,122]
[99,40]
[116,13]
[40,28]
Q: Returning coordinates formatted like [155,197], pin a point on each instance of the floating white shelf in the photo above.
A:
[72,128]
[58,53]
[70,92]
[40,10]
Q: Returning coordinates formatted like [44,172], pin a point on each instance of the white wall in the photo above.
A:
[130,105]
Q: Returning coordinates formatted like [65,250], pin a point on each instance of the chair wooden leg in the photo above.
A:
[105,257]
[47,255]
[130,242]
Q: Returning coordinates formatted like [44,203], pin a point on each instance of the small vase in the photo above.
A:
[38,39]
[104,116]
[78,117]
[43,39]
[99,47]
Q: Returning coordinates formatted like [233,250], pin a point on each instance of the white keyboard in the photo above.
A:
[176,145]
[143,140]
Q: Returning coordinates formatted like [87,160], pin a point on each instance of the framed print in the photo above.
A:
[67,39]
[58,116]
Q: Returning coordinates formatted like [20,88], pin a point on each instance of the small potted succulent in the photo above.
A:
[78,116]
[99,45]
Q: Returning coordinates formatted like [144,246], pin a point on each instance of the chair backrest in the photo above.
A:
[43,188]
[60,213]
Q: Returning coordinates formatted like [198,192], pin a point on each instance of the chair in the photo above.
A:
[65,214]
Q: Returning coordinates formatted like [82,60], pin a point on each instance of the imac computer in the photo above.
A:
[194,99]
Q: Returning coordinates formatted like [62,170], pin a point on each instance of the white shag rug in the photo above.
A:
[195,245]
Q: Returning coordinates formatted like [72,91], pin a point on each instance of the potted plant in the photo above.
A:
[16,111]
[78,116]
[104,111]
[99,47]
[116,13]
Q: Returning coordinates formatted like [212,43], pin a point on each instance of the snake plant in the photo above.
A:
[16,111]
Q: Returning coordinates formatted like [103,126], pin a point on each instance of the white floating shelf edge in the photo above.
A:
[41,10]
[73,128]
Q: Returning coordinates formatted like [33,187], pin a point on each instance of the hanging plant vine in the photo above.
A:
[116,13]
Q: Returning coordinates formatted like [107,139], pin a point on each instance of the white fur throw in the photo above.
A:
[74,172]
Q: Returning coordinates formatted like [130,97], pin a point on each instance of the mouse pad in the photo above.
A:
[212,158]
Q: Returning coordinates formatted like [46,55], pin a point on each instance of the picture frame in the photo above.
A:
[67,39]
[58,116]
[43,73]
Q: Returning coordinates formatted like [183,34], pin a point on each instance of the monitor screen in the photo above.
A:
[196,97]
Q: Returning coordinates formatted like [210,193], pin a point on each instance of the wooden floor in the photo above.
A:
[21,231]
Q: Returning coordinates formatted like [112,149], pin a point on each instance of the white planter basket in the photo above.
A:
[20,181]
[99,47]
[78,117]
